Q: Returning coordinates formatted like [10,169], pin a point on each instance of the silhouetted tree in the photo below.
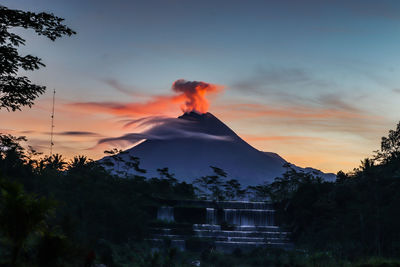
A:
[165,174]
[115,158]
[134,162]
[390,146]
[55,162]
[211,186]
[259,192]
[18,91]
[233,189]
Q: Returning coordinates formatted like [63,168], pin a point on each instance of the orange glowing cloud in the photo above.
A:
[191,97]
[195,94]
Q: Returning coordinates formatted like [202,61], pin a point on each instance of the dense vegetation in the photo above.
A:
[56,213]
[355,216]
[91,205]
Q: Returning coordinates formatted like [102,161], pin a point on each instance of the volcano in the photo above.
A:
[191,143]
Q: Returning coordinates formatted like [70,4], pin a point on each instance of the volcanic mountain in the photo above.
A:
[191,143]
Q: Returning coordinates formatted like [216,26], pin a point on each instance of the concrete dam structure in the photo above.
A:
[221,225]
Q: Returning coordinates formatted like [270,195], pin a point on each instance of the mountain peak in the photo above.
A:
[207,123]
[194,115]
[194,141]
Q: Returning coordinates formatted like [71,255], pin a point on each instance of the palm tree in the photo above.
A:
[55,162]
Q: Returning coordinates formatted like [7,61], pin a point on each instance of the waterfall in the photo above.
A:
[244,205]
[249,217]
[211,216]
[165,214]
[228,225]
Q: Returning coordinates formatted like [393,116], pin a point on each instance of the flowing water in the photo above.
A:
[229,224]
[165,214]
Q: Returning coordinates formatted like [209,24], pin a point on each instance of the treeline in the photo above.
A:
[53,211]
[216,186]
[58,213]
[355,216]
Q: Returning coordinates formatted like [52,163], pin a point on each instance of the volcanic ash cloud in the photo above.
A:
[195,93]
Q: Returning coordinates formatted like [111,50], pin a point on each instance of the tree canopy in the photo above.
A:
[390,145]
[17,91]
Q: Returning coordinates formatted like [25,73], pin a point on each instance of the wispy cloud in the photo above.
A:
[64,133]
[162,128]
[77,133]
[157,105]
[281,110]
[125,89]
[337,102]
[265,80]
[189,95]
[326,114]
[279,81]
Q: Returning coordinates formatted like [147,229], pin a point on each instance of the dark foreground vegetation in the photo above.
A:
[58,213]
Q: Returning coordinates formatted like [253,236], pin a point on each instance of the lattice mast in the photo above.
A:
[52,123]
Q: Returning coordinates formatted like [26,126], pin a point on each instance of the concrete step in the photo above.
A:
[238,227]
[225,238]
[202,233]
[229,247]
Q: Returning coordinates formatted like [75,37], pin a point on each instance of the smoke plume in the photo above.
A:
[190,95]
[194,93]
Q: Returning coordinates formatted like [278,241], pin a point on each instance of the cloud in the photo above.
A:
[327,115]
[157,105]
[76,133]
[128,90]
[64,133]
[280,110]
[162,128]
[267,80]
[195,93]
[336,102]
[293,96]
[190,95]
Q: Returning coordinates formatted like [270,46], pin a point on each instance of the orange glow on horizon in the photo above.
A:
[306,135]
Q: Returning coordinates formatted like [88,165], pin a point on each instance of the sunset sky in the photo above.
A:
[315,81]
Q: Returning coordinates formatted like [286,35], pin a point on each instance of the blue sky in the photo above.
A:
[331,69]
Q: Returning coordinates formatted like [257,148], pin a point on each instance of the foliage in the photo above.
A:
[356,215]
[390,146]
[18,91]
[216,187]
[21,215]
[93,204]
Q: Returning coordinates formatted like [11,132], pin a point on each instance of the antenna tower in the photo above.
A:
[52,123]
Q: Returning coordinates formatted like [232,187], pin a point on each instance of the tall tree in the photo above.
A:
[390,145]
[212,185]
[18,91]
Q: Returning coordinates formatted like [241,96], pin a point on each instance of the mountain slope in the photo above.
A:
[205,141]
